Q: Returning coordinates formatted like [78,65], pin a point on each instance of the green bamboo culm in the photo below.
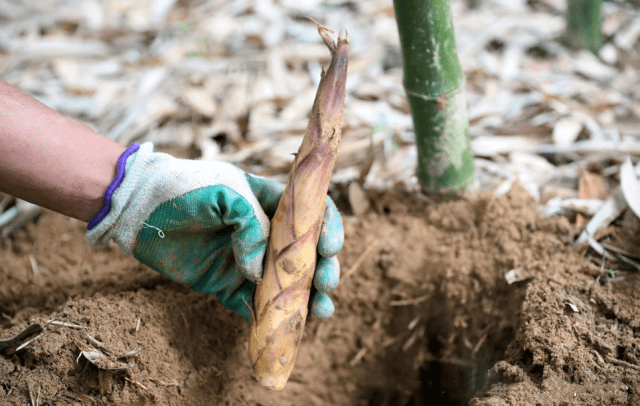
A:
[435,87]
[583,25]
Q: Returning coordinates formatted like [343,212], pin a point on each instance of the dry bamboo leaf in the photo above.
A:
[358,199]
[516,275]
[566,131]
[597,247]
[627,38]
[582,206]
[492,145]
[590,186]
[608,53]
[200,102]
[104,361]
[611,209]
[17,216]
[591,146]
[630,187]
[21,336]
[590,66]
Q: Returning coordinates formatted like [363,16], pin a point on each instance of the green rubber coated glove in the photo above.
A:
[206,224]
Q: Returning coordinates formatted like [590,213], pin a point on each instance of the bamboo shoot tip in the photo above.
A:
[319,26]
[344,40]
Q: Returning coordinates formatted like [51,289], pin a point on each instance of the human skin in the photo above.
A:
[51,160]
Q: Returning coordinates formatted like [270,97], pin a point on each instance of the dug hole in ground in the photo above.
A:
[424,315]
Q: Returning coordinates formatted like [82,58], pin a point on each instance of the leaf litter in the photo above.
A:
[230,80]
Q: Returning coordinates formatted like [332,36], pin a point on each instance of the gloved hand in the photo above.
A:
[205,224]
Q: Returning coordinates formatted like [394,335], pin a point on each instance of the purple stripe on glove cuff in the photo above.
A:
[108,194]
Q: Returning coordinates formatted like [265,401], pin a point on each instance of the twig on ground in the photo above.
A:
[361,258]
[358,356]
[132,353]
[136,383]
[410,341]
[427,199]
[619,251]
[392,340]
[409,302]
[97,343]
[34,266]
[478,345]
[65,324]
[599,357]
[36,401]
[29,342]
[33,403]
[622,363]
[629,261]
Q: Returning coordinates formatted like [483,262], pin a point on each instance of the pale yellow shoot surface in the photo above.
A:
[281,300]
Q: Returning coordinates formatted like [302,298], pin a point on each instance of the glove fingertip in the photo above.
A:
[332,233]
[327,274]
[322,306]
[252,272]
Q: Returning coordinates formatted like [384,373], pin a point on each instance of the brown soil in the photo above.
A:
[426,318]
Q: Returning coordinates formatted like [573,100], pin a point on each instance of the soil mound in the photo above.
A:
[423,314]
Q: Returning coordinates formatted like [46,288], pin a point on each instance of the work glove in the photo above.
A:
[205,224]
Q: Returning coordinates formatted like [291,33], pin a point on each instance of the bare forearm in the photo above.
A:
[51,160]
